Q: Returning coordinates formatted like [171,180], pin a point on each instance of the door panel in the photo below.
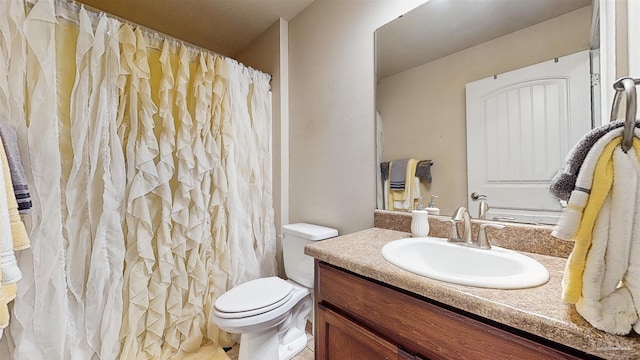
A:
[520,126]
[344,339]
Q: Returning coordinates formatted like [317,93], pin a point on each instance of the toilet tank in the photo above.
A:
[297,265]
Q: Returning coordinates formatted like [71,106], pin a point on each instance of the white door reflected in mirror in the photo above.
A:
[520,126]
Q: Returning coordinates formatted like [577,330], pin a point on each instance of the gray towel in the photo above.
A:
[564,182]
[423,170]
[384,170]
[20,188]
[398,174]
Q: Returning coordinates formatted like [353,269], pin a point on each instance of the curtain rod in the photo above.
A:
[75,6]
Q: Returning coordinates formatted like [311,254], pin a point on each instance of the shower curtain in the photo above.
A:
[149,165]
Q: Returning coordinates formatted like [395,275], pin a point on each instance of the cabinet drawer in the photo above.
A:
[418,325]
[344,339]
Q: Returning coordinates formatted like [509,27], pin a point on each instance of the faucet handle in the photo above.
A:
[483,240]
[453,232]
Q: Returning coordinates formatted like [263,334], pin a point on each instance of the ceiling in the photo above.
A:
[443,27]
[224,26]
[426,33]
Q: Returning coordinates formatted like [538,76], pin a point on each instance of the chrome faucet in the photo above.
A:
[466,239]
[463,214]
[483,208]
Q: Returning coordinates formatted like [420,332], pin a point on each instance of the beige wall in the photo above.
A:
[332,127]
[423,109]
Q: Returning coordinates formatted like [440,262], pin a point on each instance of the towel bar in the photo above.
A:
[423,170]
[628,86]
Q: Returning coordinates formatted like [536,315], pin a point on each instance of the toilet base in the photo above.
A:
[259,345]
[287,351]
[281,342]
[265,345]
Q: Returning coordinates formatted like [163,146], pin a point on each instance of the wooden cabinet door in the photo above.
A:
[338,338]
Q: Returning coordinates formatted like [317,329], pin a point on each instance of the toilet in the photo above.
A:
[270,314]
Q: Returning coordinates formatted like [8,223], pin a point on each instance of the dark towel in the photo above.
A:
[564,182]
[384,170]
[398,174]
[423,170]
[20,188]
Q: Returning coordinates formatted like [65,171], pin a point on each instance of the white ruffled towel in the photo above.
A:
[611,278]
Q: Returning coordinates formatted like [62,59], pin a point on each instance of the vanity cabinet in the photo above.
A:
[359,318]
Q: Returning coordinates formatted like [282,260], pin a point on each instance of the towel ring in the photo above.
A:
[628,85]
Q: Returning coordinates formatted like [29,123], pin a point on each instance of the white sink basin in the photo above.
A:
[438,259]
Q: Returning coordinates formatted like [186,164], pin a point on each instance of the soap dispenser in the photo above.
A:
[419,221]
[432,209]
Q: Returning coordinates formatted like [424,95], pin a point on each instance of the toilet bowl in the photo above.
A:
[270,314]
[270,328]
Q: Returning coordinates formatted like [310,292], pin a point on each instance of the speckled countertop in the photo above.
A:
[538,310]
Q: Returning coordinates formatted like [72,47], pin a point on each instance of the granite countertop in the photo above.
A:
[538,310]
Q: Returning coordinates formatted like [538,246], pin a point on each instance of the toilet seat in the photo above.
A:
[253,298]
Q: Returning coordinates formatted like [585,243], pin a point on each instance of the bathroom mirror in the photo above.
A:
[425,58]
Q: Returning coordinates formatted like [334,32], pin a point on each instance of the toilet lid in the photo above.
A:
[254,297]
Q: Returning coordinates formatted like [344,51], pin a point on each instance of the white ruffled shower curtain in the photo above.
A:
[149,165]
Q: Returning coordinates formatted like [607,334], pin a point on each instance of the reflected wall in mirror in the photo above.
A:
[425,58]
